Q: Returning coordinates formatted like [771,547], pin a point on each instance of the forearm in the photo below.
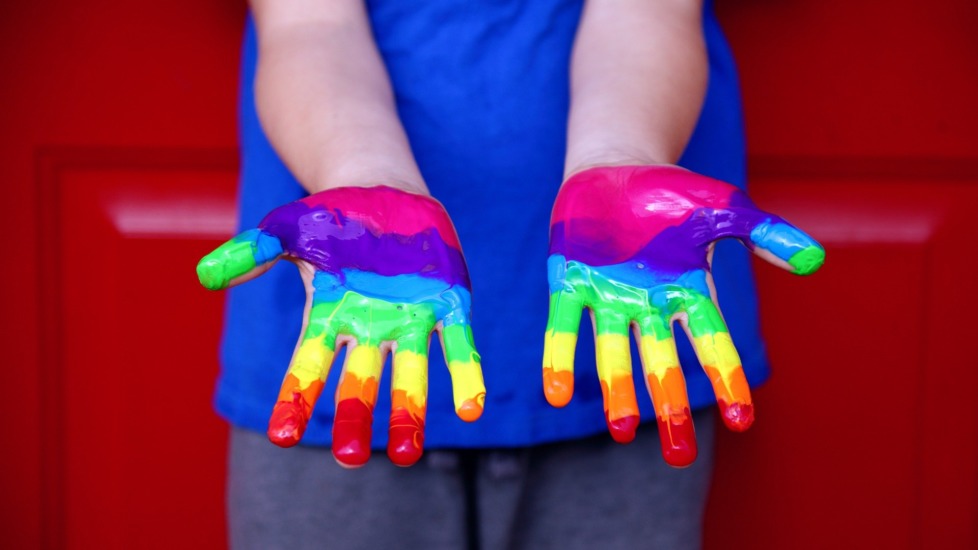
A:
[324,98]
[638,78]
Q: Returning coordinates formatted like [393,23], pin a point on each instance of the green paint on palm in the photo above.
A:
[372,321]
[616,305]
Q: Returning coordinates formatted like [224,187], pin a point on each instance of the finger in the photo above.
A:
[243,257]
[780,242]
[355,400]
[409,392]
[718,356]
[559,345]
[667,387]
[614,361]
[771,237]
[305,378]
[465,366]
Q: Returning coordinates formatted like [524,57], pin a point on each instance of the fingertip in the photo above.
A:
[352,453]
[471,409]
[352,432]
[678,438]
[350,461]
[405,441]
[737,416]
[623,429]
[808,260]
[211,274]
[558,386]
[288,421]
[403,451]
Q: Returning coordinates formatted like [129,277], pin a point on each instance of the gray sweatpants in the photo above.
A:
[583,494]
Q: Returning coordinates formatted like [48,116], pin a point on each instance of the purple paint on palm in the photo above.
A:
[346,234]
[662,216]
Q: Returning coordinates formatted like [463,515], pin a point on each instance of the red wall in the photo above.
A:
[117,151]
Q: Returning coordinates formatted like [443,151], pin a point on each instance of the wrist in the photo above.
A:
[362,172]
[578,161]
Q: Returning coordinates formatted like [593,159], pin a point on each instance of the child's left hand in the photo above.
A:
[634,244]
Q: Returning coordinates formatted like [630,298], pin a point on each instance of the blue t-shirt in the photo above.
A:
[482,90]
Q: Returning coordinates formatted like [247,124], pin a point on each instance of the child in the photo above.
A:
[468,102]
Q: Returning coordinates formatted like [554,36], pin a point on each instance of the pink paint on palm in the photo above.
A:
[384,210]
[619,208]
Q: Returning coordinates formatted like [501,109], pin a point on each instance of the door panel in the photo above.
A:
[127,380]
[865,434]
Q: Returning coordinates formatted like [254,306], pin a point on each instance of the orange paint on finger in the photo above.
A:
[468,389]
[558,386]
[292,410]
[471,409]
[733,396]
[406,437]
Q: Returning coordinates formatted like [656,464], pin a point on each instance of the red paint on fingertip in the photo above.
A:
[737,416]
[678,440]
[623,429]
[288,421]
[405,441]
[351,433]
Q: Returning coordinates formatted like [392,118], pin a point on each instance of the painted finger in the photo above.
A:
[780,242]
[409,393]
[559,345]
[771,237]
[305,378]
[242,258]
[718,356]
[614,362]
[356,396]
[560,339]
[465,367]
[667,387]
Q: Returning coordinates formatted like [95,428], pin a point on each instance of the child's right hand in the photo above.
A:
[382,268]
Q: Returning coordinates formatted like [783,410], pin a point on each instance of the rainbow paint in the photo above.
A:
[387,270]
[632,244]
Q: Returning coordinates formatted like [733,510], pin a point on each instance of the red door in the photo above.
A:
[861,128]
[119,164]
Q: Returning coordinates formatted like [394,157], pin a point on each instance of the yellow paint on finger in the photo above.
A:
[658,356]
[718,351]
[558,367]
[721,362]
[468,389]
[615,373]
[410,372]
[362,376]
[558,351]
[312,362]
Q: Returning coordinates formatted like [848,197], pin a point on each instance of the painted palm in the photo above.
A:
[634,246]
[383,269]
